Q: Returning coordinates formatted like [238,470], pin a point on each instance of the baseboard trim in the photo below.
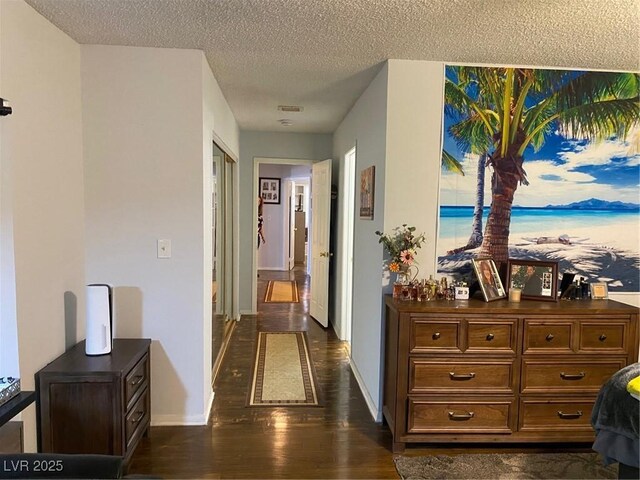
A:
[375,413]
[179,420]
[247,312]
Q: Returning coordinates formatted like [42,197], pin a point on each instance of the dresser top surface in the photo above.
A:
[125,353]
[473,305]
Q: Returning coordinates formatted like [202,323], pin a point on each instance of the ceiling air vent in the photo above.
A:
[290,108]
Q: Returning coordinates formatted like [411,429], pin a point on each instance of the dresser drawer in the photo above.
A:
[137,418]
[430,336]
[609,337]
[136,379]
[428,416]
[491,337]
[547,337]
[556,414]
[433,376]
[562,376]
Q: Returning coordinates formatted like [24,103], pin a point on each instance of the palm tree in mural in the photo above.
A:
[502,111]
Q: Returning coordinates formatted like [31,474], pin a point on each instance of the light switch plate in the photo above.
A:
[164,248]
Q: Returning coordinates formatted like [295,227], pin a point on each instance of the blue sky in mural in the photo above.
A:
[564,170]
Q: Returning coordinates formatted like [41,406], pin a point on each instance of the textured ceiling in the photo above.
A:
[322,54]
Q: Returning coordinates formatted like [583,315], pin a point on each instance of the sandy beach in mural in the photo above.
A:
[601,252]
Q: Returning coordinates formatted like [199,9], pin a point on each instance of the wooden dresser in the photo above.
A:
[95,404]
[471,371]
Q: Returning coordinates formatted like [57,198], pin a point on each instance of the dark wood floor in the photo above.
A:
[338,440]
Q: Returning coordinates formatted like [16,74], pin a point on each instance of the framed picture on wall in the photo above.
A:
[269,190]
[367,185]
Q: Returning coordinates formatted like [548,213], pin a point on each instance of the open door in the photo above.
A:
[292,222]
[320,254]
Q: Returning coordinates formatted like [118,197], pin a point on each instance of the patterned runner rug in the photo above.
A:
[505,466]
[283,373]
[282,291]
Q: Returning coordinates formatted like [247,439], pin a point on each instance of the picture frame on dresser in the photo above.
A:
[488,279]
[537,279]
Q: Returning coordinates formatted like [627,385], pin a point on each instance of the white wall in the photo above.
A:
[42,191]
[272,145]
[271,254]
[147,164]
[366,126]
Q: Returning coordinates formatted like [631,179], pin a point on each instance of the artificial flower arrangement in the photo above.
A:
[401,245]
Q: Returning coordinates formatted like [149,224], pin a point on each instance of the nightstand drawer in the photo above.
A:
[464,417]
[561,376]
[137,418]
[556,414]
[442,375]
[136,379]
[429,336]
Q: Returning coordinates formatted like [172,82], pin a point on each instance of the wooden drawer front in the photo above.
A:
[429,336]
[547,337]
[465,417]
[567,376]
[458,376]
[137,418]
[136,379]
[495,336]
[603,336]
[561,414]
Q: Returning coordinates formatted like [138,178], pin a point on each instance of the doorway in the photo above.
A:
[349,206]
[273,252]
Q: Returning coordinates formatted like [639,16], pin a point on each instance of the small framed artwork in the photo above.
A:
[367,184]
[537,280]
[269,190]
[488,278]
[599,291]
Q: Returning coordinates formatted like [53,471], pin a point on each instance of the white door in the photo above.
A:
[320,254]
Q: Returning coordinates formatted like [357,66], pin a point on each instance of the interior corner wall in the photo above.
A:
[143,146]
[365,126]
[306,146]
[42,201]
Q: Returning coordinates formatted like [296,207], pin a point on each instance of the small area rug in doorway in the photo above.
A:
[505,466]
[283,374]
[282,291]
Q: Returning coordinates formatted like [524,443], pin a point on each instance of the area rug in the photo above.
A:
[282,291]
[505,466]
[283,373]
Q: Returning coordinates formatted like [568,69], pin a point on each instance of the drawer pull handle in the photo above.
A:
[602,337]
[571,376]
[569,416]
[461,376]
[436,335]
[460,416]
[138,418]
[490,337]
[549,337]
[136,380]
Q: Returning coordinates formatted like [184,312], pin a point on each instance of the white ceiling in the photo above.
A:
[322,54]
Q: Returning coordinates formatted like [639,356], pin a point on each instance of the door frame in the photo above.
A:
[348,243]
[257,161]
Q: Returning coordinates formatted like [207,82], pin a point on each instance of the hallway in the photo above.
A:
[336,440]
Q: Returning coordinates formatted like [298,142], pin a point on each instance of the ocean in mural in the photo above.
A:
[579,203]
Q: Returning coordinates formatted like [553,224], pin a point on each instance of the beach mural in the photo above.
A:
[543,165]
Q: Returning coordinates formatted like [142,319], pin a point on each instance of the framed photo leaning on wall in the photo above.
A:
[488,278]
[538,280]
[269,189]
